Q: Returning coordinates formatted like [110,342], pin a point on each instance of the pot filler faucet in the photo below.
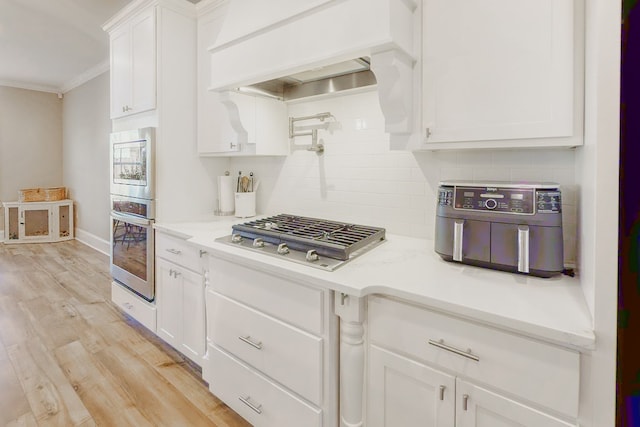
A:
[313,132]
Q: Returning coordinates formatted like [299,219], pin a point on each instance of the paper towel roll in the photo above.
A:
[226,192]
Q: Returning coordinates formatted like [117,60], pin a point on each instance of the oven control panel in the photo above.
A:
[519,201]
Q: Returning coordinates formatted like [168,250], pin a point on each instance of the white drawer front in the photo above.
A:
[263,403]
[535,371]
[297,304]
[286,354]
[143,311]
[178,251]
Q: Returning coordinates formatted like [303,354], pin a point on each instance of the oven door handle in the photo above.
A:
[142,222]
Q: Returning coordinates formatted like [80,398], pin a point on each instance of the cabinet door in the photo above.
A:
[403,392]
[35,222]
[497,69]
[193,335]
[120,71]
[215,134]
[169,302]
[477,407]
[143,61]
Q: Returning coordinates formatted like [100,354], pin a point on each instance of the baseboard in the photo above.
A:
[93,241]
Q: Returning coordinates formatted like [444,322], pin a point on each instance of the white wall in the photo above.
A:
[358,179]
[86,127]
[30,141]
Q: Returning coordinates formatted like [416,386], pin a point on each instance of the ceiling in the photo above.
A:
[54,45]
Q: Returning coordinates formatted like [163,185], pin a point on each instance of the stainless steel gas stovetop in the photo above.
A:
[311,241]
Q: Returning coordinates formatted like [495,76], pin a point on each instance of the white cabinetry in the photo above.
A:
[180,296]
[429,366]
[497,73]
[271,354]
[232,123]
[404,392]
[133,65]
[33,222]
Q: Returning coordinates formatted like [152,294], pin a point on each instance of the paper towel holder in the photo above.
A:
[220,209]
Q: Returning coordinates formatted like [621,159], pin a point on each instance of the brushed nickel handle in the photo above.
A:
[246,401]
[442,345]
[174,251]
[458,236]
[465,401]
[442,392]
[247,340]
[523,248]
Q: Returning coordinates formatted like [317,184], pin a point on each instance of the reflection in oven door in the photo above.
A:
[132,261]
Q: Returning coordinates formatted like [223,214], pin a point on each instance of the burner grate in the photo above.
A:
[329,238]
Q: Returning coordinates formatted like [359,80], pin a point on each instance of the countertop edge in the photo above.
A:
[582,341]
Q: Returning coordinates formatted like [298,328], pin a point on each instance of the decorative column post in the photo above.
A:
[351,311]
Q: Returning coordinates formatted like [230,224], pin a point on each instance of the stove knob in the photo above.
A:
[283,249]
[258,243]
[312,255]
[236,238]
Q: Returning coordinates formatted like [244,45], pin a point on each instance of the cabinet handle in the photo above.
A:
[442,392]
[247,340]
[202,253]
[246,401]
[465,400]
[442,345]
[174,251]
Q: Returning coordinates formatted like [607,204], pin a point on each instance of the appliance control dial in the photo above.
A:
[283,249]
[490,204]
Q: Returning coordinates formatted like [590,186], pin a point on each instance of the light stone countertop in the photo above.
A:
[553,310]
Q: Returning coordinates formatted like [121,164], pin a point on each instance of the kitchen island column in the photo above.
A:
[351,311]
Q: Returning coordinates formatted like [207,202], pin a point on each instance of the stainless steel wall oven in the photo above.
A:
[133,210]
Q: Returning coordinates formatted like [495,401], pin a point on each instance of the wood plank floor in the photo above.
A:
[69,357]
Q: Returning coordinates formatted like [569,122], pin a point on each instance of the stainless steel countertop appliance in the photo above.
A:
[310,241]
[501,225]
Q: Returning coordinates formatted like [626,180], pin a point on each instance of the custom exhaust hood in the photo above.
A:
[293,49]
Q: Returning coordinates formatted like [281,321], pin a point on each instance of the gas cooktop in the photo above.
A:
[311,241]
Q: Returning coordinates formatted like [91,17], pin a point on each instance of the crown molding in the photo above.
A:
[90,74]
[29,86]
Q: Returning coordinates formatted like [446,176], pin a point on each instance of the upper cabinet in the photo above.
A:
[498,73]
[133,65]
[231,123]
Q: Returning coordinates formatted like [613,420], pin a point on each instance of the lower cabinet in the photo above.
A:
[180,297]
[404,392]
[271,347]
[478,407]
[432,369]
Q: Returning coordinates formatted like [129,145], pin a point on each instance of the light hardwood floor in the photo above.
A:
[69,357]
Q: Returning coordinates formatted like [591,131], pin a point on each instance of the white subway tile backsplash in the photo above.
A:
[358,179]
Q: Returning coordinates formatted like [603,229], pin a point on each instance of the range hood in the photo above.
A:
[333,78]
[292,49]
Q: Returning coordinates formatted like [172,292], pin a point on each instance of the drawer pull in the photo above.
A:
[465,400]
[174,251]
[442,345]
[442,392]
[247,339]
[246,401]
